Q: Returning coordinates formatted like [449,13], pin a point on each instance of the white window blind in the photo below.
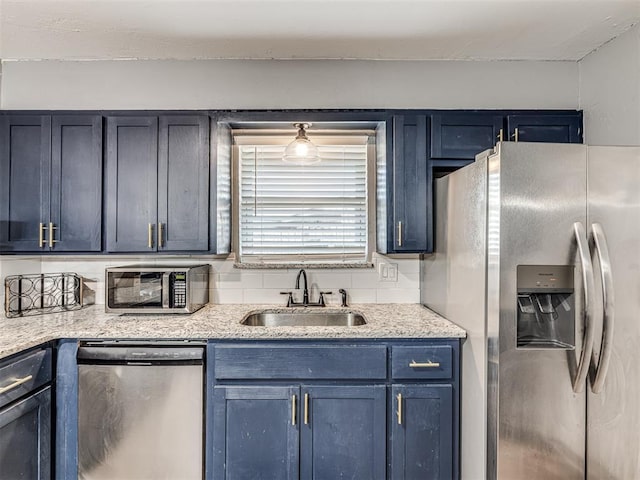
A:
[313,212]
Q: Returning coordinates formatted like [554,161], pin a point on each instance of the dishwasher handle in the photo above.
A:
[111,354]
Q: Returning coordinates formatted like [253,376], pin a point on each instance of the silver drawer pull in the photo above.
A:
[415,364]
[15,384]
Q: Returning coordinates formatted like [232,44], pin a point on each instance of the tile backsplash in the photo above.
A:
[232,285]
[16,266]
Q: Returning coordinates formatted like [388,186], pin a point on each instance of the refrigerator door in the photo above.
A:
[452,282]
[535,422]
[614,414]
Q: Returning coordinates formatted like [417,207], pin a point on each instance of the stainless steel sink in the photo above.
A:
[304,319]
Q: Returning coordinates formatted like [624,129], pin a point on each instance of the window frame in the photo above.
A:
[333,136]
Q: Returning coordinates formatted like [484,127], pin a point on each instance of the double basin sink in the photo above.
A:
[303,319]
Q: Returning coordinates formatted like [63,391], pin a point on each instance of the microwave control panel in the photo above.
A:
[179,289]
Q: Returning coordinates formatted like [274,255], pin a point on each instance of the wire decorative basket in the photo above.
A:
[42,293]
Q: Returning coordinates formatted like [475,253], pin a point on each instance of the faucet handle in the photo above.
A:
[343,292]
[321,301]
[289,299]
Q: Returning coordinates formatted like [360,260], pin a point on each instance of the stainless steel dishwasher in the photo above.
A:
[140,411]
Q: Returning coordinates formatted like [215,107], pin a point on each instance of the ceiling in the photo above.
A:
[311,29]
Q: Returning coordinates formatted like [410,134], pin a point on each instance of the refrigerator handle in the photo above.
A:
[588,285]
[599,371]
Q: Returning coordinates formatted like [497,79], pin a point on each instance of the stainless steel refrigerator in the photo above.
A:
[537,256]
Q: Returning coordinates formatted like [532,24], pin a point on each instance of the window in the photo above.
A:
[317,213]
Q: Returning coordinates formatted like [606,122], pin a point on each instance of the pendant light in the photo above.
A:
[301,151]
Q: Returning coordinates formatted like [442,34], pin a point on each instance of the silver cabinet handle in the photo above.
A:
[150,235]
[160,234]
[399,234]
[41,230]
[399,410]
[293,409]
[51,235]
[587,280]
[429,364]
[599,371]
[515,134]
[501,135]
[15,384]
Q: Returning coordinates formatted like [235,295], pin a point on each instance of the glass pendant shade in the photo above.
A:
[301,151]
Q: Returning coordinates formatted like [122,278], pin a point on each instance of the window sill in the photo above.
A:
[309,266]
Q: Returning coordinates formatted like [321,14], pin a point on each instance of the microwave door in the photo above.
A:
[136,290]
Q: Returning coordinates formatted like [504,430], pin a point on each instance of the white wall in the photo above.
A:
[264,84]
[610,91]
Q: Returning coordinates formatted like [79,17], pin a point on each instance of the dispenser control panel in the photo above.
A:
[547,278]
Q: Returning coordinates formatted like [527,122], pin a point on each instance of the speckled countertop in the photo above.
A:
[221,322]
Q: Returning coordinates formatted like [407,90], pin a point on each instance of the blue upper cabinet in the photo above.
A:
[157,183]
[131,183]
[412,186]
[462,136]
[183,183]
[76,183]
[545,128]
[50,183]
[25,162]
[430,143]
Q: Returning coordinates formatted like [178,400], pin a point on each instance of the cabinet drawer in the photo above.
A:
[428,362]
[23,374]
[248,362]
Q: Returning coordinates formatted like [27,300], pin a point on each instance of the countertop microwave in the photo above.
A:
[156,288]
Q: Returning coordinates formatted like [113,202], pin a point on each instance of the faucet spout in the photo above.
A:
[305,292]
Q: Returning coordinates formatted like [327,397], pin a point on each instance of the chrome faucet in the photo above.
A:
[305,294]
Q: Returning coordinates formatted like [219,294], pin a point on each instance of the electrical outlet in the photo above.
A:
[388,272]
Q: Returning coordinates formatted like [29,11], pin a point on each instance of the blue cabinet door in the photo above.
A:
[76,183]
[545,128]
[463,135]
[412,186]
[422,432]
[255,432]
[25,163]
[25,438]
[51,187]
[343,432]
[131,184]
[183,183]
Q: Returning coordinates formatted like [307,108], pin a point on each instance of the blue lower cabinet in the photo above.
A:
[25,438]
[255,434]
[422,432]
[300,410]
[343,432]
[289,432]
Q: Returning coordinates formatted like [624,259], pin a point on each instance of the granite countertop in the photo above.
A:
[220,322]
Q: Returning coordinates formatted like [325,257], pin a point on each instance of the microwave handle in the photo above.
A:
[166,288]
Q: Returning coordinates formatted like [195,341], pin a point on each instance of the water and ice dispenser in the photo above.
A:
[546,307]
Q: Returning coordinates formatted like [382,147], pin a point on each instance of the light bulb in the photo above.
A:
[301,151]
